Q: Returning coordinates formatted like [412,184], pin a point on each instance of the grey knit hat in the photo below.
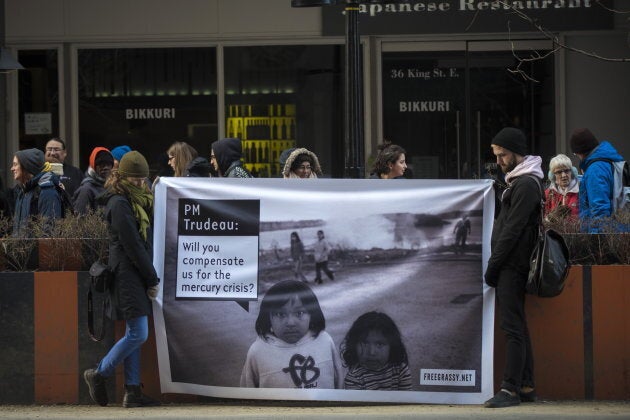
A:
[32,160]
[133,165]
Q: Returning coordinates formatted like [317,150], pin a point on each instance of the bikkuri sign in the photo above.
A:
[471,16]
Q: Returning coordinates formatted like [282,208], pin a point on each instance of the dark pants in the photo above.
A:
[323,265]
[519,361]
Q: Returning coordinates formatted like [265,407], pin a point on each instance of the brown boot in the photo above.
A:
[135,398]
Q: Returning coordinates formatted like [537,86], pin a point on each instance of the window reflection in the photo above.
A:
[147,98]
[278,97]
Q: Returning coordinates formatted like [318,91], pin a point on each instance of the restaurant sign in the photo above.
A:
[472,16]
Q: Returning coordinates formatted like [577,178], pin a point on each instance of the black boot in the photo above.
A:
[135,398]
[96,384]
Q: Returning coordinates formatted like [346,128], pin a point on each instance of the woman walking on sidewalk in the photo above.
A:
[129,210]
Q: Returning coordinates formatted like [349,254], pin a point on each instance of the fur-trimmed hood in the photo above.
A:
[317,169]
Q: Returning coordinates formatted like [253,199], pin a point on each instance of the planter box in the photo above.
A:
[581,339]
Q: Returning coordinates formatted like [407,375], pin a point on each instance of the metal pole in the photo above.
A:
[353,141]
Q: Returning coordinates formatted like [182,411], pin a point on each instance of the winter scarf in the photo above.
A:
[142,204]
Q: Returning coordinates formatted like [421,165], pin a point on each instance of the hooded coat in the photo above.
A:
[228,153]
[288,173]
[515,230]
[596,186]
[130,259]
[92,186]
[38,196]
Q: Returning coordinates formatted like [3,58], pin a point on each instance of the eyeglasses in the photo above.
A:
[54,149]
[562,171]
[305,168]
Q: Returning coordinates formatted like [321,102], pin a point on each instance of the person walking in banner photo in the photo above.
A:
[562,195]
[390,162]
[297,255]
[292,350]
[321,251]
[461,231]
[374,353]
[514,235]
[129,213]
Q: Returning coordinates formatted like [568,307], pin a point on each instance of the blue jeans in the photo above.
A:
[127,350]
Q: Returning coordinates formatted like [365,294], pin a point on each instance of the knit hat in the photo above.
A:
[511,139]
[583,141]
[134,165]
[119,152]
[99,156]
[32,160]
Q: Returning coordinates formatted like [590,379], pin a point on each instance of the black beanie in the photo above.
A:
[104,158]
[583,141]
[511,139]
[134,165]
[32,160]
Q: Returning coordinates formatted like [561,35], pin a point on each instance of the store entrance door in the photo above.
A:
[444,102]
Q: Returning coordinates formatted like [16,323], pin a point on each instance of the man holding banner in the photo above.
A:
[513,238]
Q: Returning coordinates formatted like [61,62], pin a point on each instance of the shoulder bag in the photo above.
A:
[549,263]
[101,278]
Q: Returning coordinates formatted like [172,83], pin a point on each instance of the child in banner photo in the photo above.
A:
[292,349]
[375,355]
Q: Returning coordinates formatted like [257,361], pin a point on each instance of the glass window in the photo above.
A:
[445,107]
[38,97]
[279,97]
[147,98]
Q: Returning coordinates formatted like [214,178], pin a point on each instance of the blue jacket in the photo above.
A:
[48,201]
[596,186]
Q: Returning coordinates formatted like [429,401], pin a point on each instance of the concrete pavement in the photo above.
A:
[230,409]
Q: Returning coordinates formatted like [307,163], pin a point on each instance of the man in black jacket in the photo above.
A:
[513,238]
[56,153]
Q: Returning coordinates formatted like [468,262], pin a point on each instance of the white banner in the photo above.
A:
[328,289]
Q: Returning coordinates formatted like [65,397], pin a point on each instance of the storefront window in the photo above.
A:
[445,107]
[38,97]
[278,97]
[147,99]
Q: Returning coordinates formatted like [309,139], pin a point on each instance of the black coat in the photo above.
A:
[131,260]
[515,230]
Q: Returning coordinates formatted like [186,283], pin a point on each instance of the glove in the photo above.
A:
[152,292]
[491,278]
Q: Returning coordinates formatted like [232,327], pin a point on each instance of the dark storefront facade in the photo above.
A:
[439,79]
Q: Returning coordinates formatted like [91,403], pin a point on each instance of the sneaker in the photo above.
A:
[502,399]
[135,398]
[96,384]
[528,396]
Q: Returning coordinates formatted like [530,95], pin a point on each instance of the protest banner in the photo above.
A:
[244,314]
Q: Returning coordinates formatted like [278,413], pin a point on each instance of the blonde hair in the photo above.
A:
[183,153]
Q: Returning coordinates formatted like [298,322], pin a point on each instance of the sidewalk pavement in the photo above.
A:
[240,409]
